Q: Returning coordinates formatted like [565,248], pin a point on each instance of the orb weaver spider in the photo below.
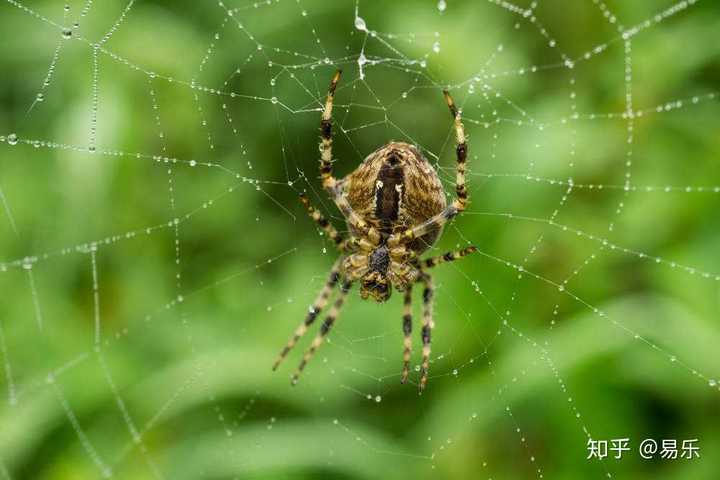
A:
[395,209]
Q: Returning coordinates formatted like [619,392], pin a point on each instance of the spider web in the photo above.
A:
[155,258]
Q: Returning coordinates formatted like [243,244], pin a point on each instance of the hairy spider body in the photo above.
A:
[395,208]
[394,189]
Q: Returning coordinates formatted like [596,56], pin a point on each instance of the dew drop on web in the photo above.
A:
[360,24]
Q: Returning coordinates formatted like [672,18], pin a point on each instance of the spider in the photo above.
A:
[395,209]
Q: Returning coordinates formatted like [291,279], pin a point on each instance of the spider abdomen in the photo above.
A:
[396,188]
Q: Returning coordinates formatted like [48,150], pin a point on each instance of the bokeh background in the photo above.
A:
[143,300]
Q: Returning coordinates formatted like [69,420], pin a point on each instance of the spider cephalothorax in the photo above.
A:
[375,282]
[395,210]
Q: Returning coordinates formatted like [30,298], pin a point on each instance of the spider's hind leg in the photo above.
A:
[326,173]
[460,153]
[460,203]
[331,184]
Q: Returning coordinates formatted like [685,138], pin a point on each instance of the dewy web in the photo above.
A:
[485,109]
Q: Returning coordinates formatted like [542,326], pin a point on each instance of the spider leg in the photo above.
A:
[366,230]
[459,204]
[460,153]
[329,182]
[407,329]
[324,329]
[326,172]
[449,257]
[340,242]
[426,329]
[313,312]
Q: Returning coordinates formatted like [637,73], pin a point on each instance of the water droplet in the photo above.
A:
[274,100]
[39,97]
[360,24]
[378,399]
[442,5]
[12,139]
[712,382]
[193,163]
[66,33]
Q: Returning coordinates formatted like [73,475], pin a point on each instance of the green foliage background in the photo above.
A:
[194,375]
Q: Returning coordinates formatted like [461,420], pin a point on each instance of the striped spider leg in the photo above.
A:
[458,205]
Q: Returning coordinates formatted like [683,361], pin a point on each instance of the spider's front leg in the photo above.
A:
[405,271]
[313,312]
[324,329]
[426,331]
[407,330]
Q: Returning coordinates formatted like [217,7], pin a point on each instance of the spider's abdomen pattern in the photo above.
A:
[388,193]
[396,188]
